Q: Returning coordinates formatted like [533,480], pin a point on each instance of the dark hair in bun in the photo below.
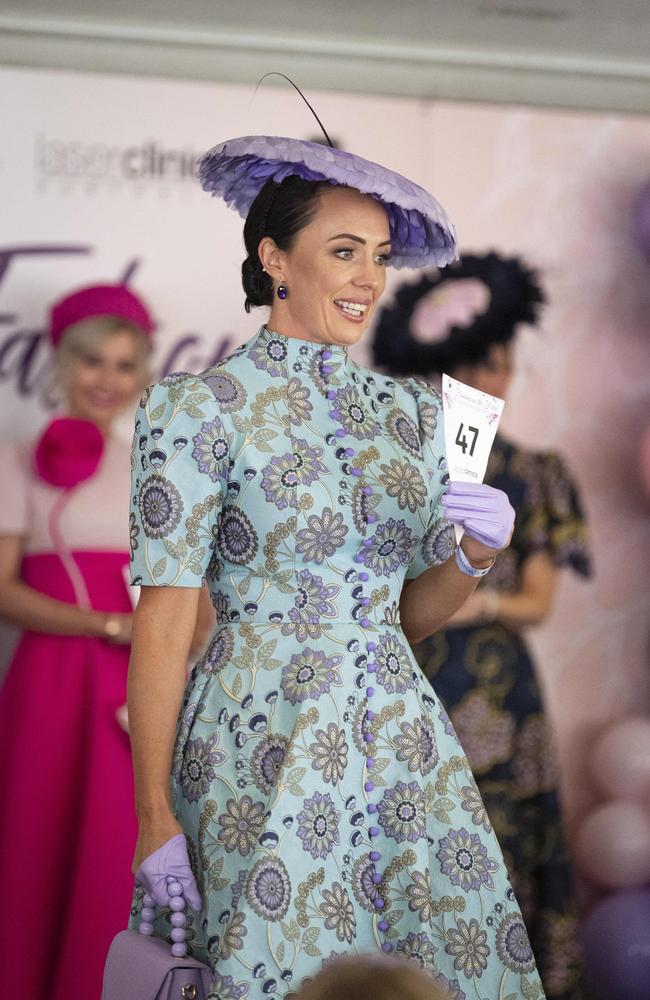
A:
[515,297]
[279,211]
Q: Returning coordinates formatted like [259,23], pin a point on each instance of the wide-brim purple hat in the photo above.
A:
[237,170]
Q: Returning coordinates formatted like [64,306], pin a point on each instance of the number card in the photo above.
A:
[471,421]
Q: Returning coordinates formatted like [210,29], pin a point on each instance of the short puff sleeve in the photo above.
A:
[438,541]
[180,462]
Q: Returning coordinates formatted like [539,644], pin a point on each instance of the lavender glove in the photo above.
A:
[484,512]
[170,863]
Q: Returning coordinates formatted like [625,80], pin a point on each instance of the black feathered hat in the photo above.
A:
[438,323]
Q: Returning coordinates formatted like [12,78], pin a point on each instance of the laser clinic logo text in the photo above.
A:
[150,162]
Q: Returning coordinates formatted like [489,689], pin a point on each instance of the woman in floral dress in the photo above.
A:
[325,802]
[464,321]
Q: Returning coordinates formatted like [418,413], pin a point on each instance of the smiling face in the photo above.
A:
[103,375]
[335,270]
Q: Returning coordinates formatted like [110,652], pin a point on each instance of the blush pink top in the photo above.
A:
[93,517]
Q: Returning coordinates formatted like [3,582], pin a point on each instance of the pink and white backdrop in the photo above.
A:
[96,181]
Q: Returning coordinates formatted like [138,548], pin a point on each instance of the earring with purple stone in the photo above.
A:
[283,291]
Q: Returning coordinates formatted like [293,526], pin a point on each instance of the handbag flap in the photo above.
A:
[136,967]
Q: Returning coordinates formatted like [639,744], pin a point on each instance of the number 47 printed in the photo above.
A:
[461,439]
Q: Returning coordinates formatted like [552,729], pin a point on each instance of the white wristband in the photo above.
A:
[465,566]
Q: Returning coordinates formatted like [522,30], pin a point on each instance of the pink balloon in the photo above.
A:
[613,845]
[620,764]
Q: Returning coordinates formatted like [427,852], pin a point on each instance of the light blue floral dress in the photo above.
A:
[327,803]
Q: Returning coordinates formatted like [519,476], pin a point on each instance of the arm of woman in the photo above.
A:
[529,605]
[430,600]
[163,627]
[23,606]
[175,510]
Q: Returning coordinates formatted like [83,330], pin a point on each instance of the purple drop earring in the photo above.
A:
[283,291]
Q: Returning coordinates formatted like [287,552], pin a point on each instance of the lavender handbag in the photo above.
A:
[141,967]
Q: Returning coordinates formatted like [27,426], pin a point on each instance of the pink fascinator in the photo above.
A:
[99,300]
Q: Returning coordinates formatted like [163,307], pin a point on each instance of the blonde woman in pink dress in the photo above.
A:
[67,823]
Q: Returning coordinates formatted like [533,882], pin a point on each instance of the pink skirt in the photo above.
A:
[67,819]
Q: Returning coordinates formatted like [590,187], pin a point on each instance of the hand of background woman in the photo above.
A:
[118,629]
[486,515]
[169,862]
[480,608]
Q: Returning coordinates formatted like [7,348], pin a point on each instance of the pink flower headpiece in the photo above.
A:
[68,452]
[451,304]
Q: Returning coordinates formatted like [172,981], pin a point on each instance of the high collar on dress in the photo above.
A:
[307,348]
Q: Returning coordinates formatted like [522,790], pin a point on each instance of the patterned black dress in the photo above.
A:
[486,678]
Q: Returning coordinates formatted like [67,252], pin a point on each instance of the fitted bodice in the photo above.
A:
[305,486]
